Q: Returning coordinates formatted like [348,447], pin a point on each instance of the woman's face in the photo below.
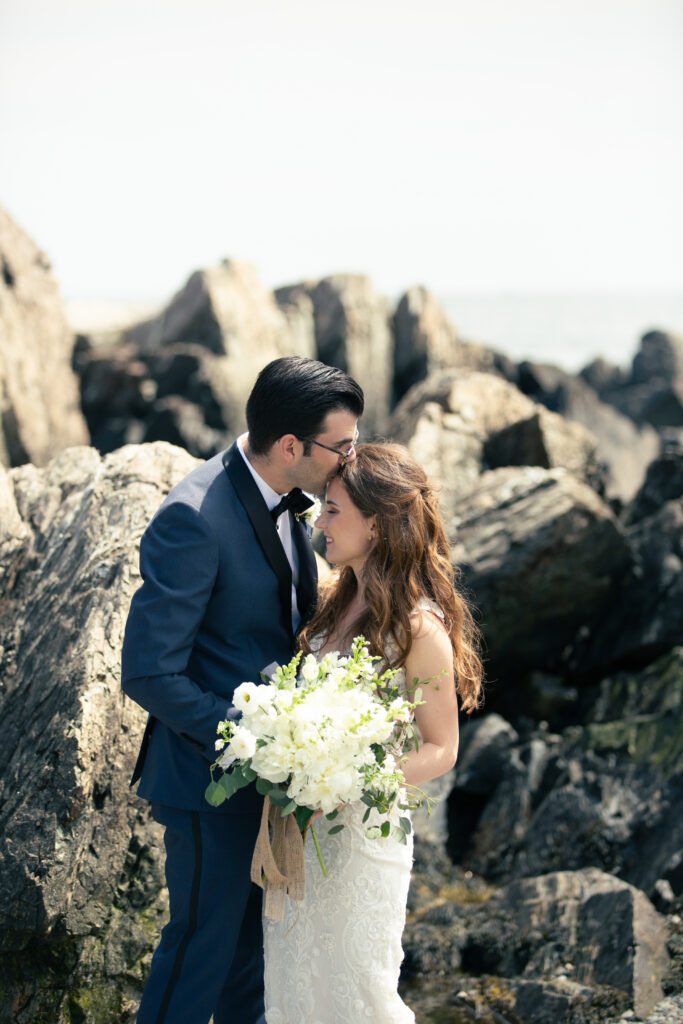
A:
[349,536]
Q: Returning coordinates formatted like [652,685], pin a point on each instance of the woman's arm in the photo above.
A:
[431,658]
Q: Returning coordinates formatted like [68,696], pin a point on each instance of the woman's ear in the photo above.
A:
[372,528]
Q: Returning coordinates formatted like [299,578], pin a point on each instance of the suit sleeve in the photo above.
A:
[178,564]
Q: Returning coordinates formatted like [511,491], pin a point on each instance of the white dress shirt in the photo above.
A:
[283,526]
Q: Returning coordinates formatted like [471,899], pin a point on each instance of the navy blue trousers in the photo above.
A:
[210,957]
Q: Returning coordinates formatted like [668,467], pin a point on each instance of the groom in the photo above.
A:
[228,578]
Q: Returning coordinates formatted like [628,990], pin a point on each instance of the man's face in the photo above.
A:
[313,472]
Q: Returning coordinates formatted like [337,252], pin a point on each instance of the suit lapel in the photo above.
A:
[264,527]
[306,592]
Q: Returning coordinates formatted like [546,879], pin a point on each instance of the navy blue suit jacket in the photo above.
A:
[213,610]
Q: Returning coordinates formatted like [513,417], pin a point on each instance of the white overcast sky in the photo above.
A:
[464,144]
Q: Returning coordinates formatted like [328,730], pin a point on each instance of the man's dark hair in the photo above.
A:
[293,395]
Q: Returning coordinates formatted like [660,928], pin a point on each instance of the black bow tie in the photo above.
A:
[296,500]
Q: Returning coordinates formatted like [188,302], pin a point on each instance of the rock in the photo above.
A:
[624,448]
[545,535]
[603,376]
[483,753]
[654,392]
[460,422]
[180,422]
[646,619]
[546,439]
[352,333]
[663,482]
[425,340]
[82,866]
[660,357]
[39,411]
[227,310]
[184,375]
[606,793]
[571,945]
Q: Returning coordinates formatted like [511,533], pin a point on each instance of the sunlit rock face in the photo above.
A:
[82,863]
[39,401]
[352,332]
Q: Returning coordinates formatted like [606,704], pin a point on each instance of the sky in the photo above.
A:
[468,146]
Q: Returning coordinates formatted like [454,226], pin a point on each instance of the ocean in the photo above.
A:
[566,329]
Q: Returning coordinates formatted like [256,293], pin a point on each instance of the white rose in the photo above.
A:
[242,743]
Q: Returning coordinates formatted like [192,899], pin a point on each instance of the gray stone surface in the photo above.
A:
[459,422]
[184,376]
[624,447]
[568,946]
[426,341]
[352,332]
[542,555]
[39,410]
[82,893]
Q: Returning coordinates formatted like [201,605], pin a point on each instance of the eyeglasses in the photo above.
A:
[344,453]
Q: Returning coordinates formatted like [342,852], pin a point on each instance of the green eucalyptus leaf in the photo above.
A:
[366,815]
[278,796]
[385,829]
[288,808]
[263,786]
[406,825]
[335,828]
[373,832]
[214,794]
[332,815]
[399,835]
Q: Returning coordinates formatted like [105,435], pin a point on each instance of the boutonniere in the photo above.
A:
[311,514]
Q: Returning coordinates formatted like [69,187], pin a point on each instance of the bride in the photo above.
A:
[336,957]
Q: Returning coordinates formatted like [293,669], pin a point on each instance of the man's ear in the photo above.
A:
[289,448]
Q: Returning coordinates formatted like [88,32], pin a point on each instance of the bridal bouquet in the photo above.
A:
[320,734]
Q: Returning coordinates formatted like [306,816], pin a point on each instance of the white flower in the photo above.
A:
[309,669]
[400,710]
[311,514]
[248,697]
[242,743]
[226,760]
[219,744]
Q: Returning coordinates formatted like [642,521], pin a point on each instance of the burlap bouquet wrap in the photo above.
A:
[278,861]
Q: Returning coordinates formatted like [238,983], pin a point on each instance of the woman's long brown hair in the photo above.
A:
[409,561]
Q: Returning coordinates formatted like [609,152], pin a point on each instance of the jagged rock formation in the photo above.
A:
[183,376]
[425,341]
[82,895]
[352,332]
[458,423]
[39,404]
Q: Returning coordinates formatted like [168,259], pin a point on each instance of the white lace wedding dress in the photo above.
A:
[338,961]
